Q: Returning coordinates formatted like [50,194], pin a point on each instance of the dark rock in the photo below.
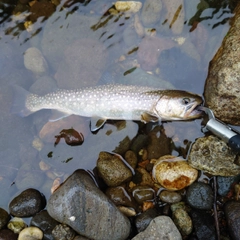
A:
[232,213]
[6,234]
[170,196]
[113,169]
[225,183]
[142,221]
[159,144]
[63,232]
[120,196]
[4,218]
[143,193]
[131,158]
[203,224]
[27,203]
[81,205]
[200,195]
[43,221]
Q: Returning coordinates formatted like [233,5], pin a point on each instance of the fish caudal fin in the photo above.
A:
[20,96]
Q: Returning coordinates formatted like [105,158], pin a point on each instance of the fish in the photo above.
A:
[111,101]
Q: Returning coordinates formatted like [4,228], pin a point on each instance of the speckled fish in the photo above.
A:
[112,102]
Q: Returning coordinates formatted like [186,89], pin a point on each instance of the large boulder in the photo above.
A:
[222,88]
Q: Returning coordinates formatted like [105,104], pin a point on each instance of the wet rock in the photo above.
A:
[131,158]
[224,184]
[143,193]
[200,195]
[232,213]
[4,218]
[161,227]
[27,203]
[63,232]
[29,176]
[30,233]
[128,6]
[150,49]
[143,177]
[82,203]
[159,143]
[6,234]
[213,156]
[120,196]
[143,220]
[181,218]
[43,221]
[82,65]
[35,62]
[222,84]
[173,173]
[170,197]
[174,15]
[16,225]
[139,142]
[203,224]
[113,169]
[151,12]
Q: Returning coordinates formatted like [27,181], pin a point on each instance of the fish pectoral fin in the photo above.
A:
[148,117]
[97,123]
[57,115]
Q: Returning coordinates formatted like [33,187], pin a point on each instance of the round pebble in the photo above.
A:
[112,169]
[16,225]
[27,203]
[7,234]
[173,173]
[170,197]
[30,233]
[35,62]
[143,193]
[200,195]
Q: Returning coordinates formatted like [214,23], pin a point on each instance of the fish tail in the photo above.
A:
[20,96]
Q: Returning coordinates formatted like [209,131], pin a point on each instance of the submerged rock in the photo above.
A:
[79,203]
[222,85]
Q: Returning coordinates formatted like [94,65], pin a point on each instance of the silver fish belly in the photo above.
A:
[107,102]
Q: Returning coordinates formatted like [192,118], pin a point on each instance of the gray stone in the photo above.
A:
[222,85]
[161,227]
[79,203]
[200,195]
[212,155]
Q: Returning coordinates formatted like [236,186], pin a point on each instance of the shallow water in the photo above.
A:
[87,24]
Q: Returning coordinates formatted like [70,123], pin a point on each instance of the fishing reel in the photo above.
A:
[228,134]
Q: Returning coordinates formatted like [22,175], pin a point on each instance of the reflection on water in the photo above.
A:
[81,41]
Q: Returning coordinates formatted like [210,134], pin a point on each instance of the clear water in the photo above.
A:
[185,67]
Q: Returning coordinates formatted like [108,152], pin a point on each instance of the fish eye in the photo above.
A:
[186,101]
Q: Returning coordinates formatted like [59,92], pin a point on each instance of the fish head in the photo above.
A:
[178,105]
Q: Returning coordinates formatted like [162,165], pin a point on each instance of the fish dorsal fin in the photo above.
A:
[149,117]
[97,123]
[57,115]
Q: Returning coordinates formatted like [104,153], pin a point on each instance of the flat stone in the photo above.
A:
[79,203]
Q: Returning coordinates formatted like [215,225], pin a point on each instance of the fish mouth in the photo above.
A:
[193,110]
